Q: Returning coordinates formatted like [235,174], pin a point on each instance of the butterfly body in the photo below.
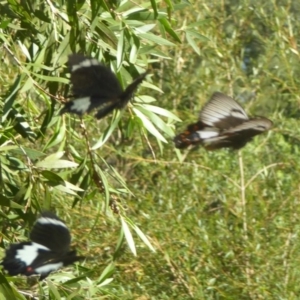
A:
[47,251]
[96,86]
[223,124]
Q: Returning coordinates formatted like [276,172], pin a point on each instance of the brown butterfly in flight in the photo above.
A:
[222,124]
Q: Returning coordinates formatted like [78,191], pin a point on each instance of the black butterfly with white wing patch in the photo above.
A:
[96,86]
[222,124]
[47,251]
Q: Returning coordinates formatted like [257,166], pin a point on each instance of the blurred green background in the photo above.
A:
[223,224]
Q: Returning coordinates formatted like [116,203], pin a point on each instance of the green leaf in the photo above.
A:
[10,98]
[54,293]
[128,236]
[143,237]
[53,178]
[154,7]
[51,78]
[155,39]
[7,292]
[169,29]
[194,33]
[161,111]
[191,41]
[4,201]
[53,162]
[145,28]
[108,131]
[31,153]
[21,125]
[135,45]
[148,125]
[107,273]
[58,135]
[120,49]
[159,123]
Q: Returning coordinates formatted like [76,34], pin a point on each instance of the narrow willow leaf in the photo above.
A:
[24,50]
[58,135]
[128,236]
[7,291]
[53,178]
[31,153]
[159,123]
[191,41]
[198,36]
[148,125]
[28,85]
[143,237]
[53,290]
[169,30]
[53,162]
[51,78]
[120,49]
[145,28]
[131,11]
[156,39]
[104,182]
[4,201]
[161,111]
[10,97]
[106,282]
[154,7]
[107,133]
[7,148]
[21,124]
[71,186]
[65,190]
[134,49]
[108,271]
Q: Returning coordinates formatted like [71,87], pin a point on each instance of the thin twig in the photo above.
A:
[243,197]
[262,170]
[176,271]
[245,225]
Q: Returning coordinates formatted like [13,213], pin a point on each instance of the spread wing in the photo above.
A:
[223,123]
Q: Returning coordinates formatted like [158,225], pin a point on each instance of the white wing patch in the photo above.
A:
[208,133]
[221,106]
[223,123]
[85,64]
[29,253]
[48,268]
[81,104]
[45,221]
[258,124]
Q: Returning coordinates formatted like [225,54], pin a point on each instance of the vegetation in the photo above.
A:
[154,222]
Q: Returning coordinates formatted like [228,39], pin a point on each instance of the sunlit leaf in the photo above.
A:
[128,236]
[149,125]
[143,237]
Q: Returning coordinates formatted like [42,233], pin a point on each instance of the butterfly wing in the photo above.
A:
[238,136]
[51,232]
[195,134]
[128,93]
[223,123]
[90,77]
[12,263]
[222,112]
[96,86]
[48,251]
[123,100]
[93,85]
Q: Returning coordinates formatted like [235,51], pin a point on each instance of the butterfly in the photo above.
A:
[47,251]
[222,124]
[96,86]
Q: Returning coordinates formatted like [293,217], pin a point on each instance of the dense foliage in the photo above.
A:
[153,222]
